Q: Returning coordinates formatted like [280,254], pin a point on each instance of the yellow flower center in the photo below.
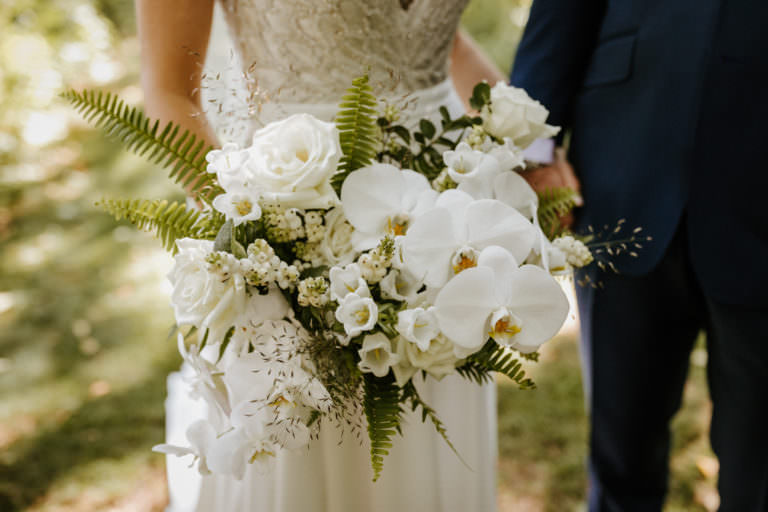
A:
[503,327]
[362,316]
[258,454]
[302,155]
[464,263]
[243,207]
[398,227]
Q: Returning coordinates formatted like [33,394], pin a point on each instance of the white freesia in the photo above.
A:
[521,307]
[442,242]
[357,313]
[240,205]
[381,199]
[376,355]
[509,156]
[515,115]
[228,165]
[346,280]
[292,162]
[418,325]
[400,285]
[337,246]
[467,164]
[202,298]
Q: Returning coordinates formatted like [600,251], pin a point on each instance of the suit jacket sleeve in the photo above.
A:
[555,51]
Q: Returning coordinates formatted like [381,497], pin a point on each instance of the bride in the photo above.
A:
[302,55]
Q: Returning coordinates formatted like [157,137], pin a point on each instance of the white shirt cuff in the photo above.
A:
[541,151]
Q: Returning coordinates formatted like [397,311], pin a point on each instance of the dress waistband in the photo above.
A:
[416,105]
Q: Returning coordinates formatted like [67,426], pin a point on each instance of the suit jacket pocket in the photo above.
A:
[611,61]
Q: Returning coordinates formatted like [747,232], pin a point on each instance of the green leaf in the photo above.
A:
[184,154]
[224,237]
[169,220]
[445,115]
[481,96]
[427,128]
[403,133]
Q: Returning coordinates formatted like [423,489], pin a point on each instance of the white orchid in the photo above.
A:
[508,187]
[240,205]
[358,314]
[381,199]
[247,442]
[418,325]
[201,437]
[376,355]
[521,307]
[346,280]
[447,239]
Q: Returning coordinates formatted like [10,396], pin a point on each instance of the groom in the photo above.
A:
[667,105]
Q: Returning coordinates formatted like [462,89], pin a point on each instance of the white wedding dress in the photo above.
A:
[303,55]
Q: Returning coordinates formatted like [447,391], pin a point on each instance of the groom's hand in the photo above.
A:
[556,175]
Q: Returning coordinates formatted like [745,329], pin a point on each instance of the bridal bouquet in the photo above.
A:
[330,266]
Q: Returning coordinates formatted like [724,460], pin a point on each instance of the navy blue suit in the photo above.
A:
[667,105]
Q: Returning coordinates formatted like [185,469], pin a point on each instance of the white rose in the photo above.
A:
[337,246]
[200,297]
[227,163]
[293,160]
[438,360]
[513,114]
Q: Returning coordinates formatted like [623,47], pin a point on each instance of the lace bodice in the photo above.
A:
[308,51]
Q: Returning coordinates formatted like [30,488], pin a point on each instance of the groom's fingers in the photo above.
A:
[568,175]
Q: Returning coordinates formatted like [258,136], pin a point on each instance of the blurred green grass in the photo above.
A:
[84,314]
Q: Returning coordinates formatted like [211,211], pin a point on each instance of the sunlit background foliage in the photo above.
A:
[83,304]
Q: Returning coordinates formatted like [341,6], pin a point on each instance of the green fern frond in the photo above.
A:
[169,147]
[169,220]
[358,133]
[495,358]
[553,204]
[382,410]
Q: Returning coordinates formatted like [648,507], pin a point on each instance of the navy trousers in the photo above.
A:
[637,335]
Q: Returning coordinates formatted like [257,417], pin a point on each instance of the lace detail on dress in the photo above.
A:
[308,51]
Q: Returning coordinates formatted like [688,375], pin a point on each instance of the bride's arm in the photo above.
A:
[174,40]
[469,65]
